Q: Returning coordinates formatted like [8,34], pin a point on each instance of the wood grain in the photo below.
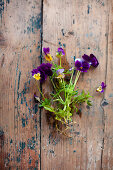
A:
[20,44]
[27,141]
[107,154]
[80,27]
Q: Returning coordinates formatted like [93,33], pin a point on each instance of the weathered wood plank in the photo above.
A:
[107,154]
[20,43]
[80,27]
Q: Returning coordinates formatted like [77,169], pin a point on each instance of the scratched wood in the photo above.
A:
[20,44]
[81,26]
[108,98]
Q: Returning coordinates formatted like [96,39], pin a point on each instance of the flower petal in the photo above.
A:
[48,57]
[103,85]
[60,51]
[37,76]
[86,65]
[59,71]
[93,60]
[44,70]
[46,50]
[86,58]
[78,63]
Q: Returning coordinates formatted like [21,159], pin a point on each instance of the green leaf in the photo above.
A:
[89,103]
[51,109]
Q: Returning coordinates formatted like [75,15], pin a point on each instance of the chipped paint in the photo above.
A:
[60,43]
[104,102]
[8,1]
[21,147]
[70,141]
[35,108]
[74,151]
[77,133]
[62,30]
[35,24]
[64,45]
[88,10]
[111,95]
[31,143]
[1,7]
[18,90]
[11,141]
[53,140]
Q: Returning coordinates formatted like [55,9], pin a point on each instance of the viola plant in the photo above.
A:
[101,87]
[66,98]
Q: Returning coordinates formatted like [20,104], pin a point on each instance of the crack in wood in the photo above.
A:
[41,40]
[103,117]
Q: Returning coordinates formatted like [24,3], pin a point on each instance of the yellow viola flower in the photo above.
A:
[61,76]
[37,76]
[48,57]
[58,55]
[99,89]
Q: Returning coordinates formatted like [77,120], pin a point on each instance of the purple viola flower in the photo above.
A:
[34,71]
[60,52]
[46,50]
[100,88]
[103,85]
[45,70]
[60,71]
[92,60]
[82,65]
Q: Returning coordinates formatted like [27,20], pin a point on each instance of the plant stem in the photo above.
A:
[40,92]
[53,63]
[71,78]
[55,88]
[77,77]
[64,89]
[60,61]
[53,83]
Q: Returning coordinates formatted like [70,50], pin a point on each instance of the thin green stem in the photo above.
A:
[53,63]
[60,62]
[40,92]
[77,77]
[55,88]
[64,89]
[71,78]
[53,83]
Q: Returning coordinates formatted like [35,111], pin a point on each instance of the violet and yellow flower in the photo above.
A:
[47,54]
[60,52]
[81,65]
[100,88]
[48,57]
[92,60]
[45,70]
[60,73]
[61,76]
[46,50]
[37,76]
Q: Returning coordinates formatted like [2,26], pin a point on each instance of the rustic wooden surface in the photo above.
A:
[20,43]
[27,140]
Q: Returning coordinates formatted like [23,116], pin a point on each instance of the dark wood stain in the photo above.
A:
[2,40]
[2,60]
